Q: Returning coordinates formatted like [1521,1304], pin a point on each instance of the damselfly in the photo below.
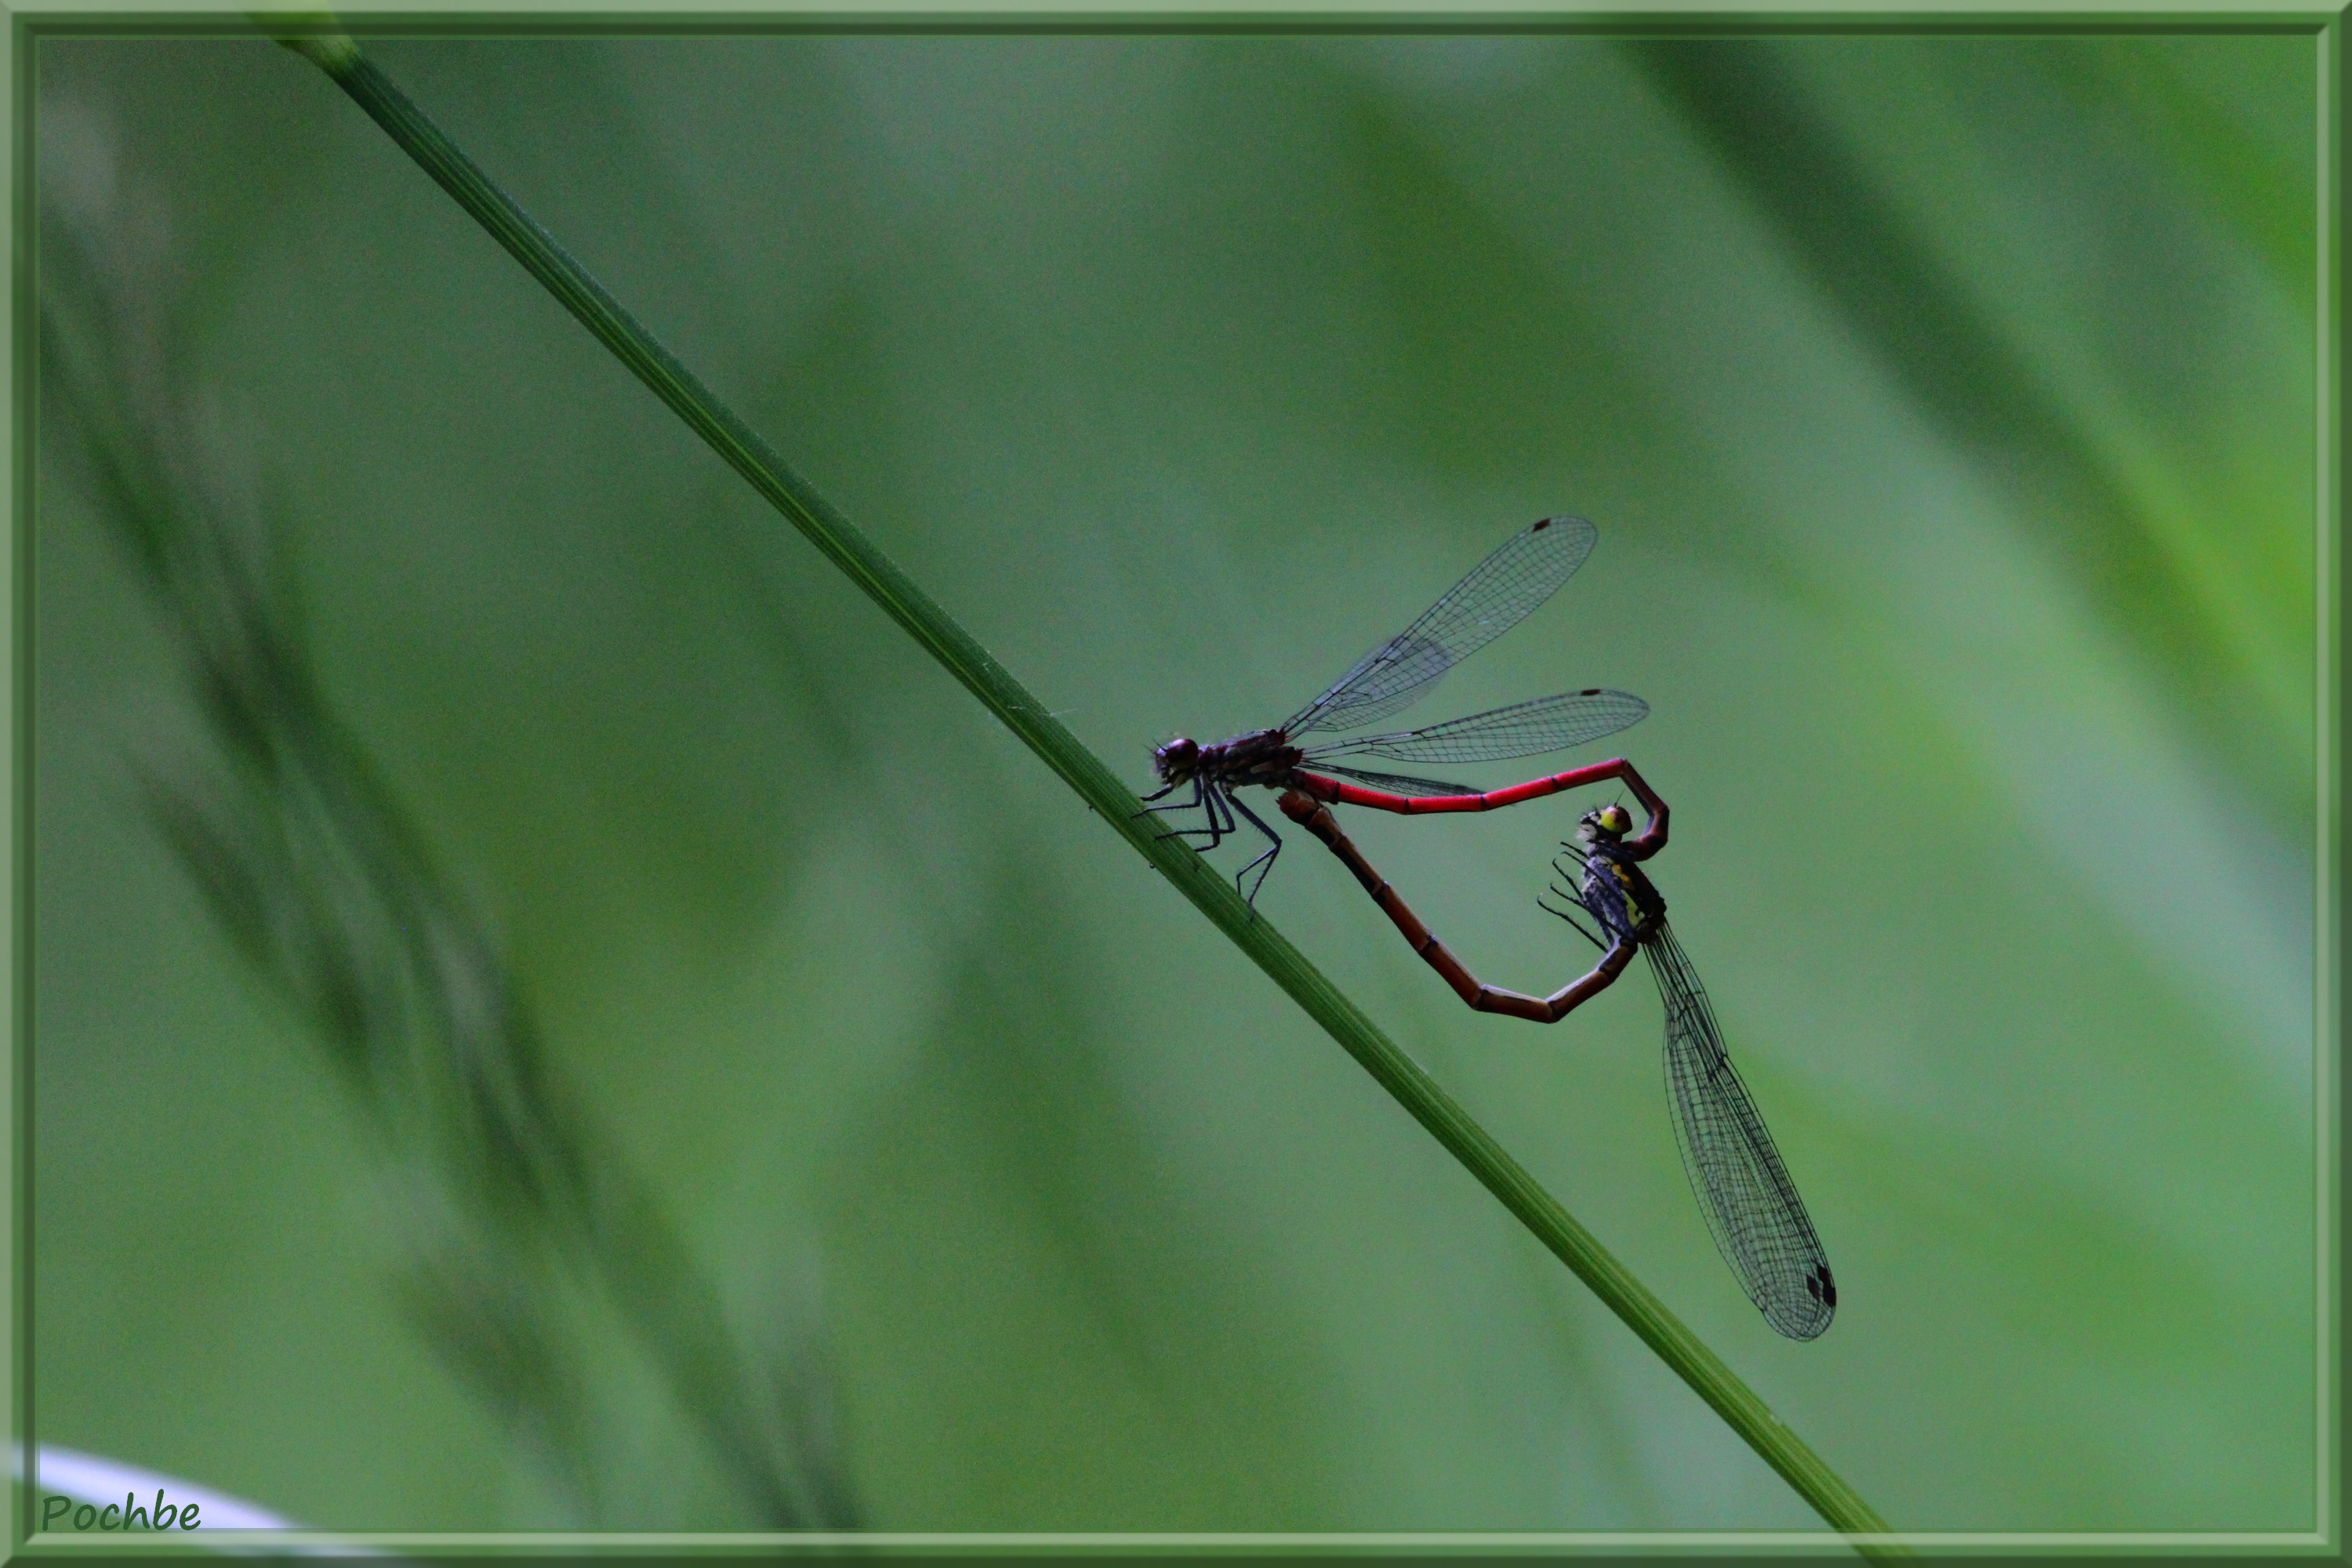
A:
[1502,591]
[1751,1206]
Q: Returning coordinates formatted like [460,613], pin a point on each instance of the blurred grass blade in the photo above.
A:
[517,1199]
[1012,703]
[1948,345]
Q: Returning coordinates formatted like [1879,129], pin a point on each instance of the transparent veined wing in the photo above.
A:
[1522,730]
[1758,1222]
[1400,783]
[1499,593]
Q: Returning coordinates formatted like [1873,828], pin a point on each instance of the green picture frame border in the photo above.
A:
[29,22]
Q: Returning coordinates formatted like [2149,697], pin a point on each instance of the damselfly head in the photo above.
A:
[1176,760]
[1611,821]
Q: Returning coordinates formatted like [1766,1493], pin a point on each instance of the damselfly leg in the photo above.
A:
[1266,859]
[1204,799]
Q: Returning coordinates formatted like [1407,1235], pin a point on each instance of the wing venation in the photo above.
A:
[1499,593]
[1758,1222]
[1400,784]
[1522,730]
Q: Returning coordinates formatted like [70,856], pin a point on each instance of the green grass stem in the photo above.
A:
[905,602]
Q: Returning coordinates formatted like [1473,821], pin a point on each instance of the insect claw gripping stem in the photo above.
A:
[1175,805]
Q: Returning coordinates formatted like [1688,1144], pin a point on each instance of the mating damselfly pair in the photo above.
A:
[1752,1208]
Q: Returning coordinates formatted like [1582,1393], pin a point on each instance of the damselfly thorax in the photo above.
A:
[1619,893]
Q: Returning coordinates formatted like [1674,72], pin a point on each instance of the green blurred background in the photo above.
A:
[1946,408]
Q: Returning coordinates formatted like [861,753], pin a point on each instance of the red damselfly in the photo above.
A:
[1502,591]
[1752,1209]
